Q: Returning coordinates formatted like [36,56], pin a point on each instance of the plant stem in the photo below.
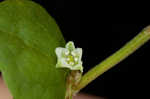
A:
[115,58]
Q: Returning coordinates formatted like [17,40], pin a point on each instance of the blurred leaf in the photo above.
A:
[28,38]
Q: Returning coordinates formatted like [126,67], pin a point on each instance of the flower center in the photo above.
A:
[71,59]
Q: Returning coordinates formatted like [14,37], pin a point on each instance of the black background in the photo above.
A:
[99,37]
[95,32]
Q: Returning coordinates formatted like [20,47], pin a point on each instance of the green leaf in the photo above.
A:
[28,38]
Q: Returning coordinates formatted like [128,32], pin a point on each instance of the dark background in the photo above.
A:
[99,37]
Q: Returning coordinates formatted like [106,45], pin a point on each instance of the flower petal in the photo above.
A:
[78,67]
[70,45]
[78,53]
[61,63]
[59,51]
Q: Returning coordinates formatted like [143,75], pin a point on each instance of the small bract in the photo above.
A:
[69,57]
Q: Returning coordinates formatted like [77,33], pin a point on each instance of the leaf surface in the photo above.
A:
[28,38]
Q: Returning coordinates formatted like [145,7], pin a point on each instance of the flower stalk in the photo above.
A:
[115,58]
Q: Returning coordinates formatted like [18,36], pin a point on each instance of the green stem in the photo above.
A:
[114,59]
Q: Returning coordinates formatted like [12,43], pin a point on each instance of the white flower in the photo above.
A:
[69,57]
